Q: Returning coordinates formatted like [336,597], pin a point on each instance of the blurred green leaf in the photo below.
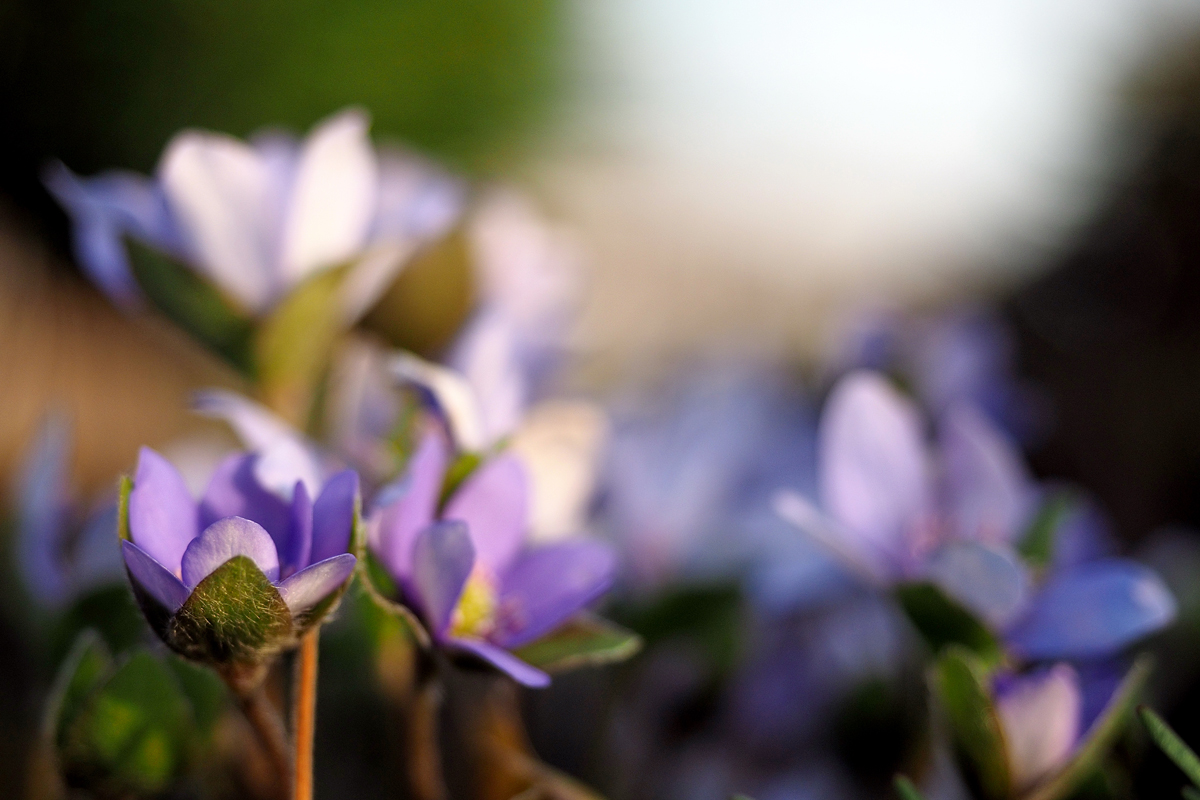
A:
[293,345]
[110,611]
[906,789]
[192,303]
[961,681]
[459,471]
[1190,793]
[1099,739]
[1169,742]
[943,622]
[134,735]
[384,593]
[585,640]
[205,692]
[81,672]
[233,617]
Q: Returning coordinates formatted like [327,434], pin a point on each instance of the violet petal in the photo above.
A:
[506,662]
[493,501]
[333,516]
[548,585]
[874,479]
[1093,610]
[442,561]
[296,554]
[162,514]
[225,539]
[234,491]
[153,577]
[398,521]
[312,584]
[1040,715]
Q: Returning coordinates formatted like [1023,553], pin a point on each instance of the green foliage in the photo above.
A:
[193,303]
[943,622]
[906,789]
[1170,743]
[234,616]
[961,682]
[1090,752]
[125,727]
[584,641]
[384,592]
[459,471]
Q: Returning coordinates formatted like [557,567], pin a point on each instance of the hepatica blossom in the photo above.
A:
[899,511]
[460,561]
[239,574]
[256,219]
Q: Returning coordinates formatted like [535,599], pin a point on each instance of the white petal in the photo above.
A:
[1040,717]
[256,425]
[488,355]
[371,275]
[452,393]
[560,443]
[221,193]
[332,203]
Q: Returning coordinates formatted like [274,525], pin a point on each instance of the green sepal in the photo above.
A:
[124,489]
[942,621]
[906,788]
[194,304]
[383,591]
[293,345]
[962,684]
[1169,742]
[1100,737]
[233,617]
[585,640]
[134,734]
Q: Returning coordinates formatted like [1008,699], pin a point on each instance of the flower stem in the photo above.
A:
[264,719]
[423,732]
[304,715]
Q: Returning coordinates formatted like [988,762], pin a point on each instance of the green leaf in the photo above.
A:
[943,622]
[1170,743]
[1190,793]
[206,693]
[585,640]
[1038,544]
[1100,737]
[233,617]
[192,303]
[294,344]
[81,672]
[905,788]
[962,684]
[709,616]
[135,733]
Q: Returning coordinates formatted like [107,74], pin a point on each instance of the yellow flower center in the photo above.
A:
[475,614]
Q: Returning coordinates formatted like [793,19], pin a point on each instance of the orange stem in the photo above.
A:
[304,715]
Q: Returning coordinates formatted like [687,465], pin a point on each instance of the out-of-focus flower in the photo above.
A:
[64,551]
[897,512]
[257,219]
[232,578]
[458,556]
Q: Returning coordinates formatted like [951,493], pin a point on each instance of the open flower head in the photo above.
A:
[231,579]
[257,218]
[461,564]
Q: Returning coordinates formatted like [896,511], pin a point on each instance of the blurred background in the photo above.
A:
[745,177]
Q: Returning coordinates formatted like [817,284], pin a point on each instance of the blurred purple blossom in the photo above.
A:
[298,541]
[462,564]
[64,549]
[896,510]
[258,218]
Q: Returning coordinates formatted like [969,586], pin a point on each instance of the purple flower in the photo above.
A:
[300,545]
[897,510]
[462,564]
[256,219]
